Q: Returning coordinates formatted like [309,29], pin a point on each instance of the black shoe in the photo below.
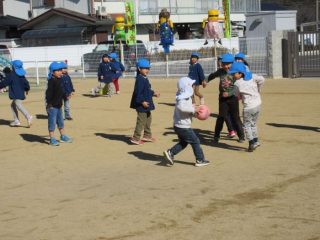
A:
[219,41]
[201,163]
[69,118]
[216,139]
[206,42]
[251,148]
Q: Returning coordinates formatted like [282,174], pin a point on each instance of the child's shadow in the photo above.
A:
[154,157]
[4,122]
[34,138]
[90,95]
[114,137]
[41,116]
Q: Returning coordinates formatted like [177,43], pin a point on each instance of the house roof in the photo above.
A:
[10,21]
[61,12]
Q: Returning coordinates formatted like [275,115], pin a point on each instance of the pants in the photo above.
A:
[17,105]
[229,123]
[55,118]
[226,106]
[116,84]
[187,136]
[66,106]
[144,120]
[250,118]
[108,89]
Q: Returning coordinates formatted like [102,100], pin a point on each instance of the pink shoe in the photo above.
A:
[231,134]
[136,142]
[148,139]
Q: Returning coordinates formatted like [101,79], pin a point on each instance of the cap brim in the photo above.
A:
[20,72]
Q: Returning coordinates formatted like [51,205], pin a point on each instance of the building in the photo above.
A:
[90,21]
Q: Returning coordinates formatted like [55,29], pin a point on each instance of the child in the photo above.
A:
[248,87]
[196,73]
[54,98]
[183,113]
[68,90]
[117,67]
[104,76]
[18,86]
[142,101]
[241,57]
[228,102]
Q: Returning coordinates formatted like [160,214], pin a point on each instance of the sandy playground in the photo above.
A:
[100,187]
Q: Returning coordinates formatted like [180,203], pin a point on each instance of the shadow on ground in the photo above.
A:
[301,127]
[34,138]
[114,137]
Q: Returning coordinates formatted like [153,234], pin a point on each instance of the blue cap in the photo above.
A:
[143,63]
[237,67]
[113,55]
[18,68]
[227,58]
[54,66]
[64,65]
[195,54]
[240,55]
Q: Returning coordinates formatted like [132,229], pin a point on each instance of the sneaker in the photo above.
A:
[216,139]
[256,144]
[54,142]
[69,118]
[148,139]
[30,121]
[136,142]
[201,163]
[65,139]
[206,42]
[251,148]
[15,123]
[231,134]
[93,92]
[118,92]
[168,156]
[241,140]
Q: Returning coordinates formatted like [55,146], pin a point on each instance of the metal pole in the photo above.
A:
[37,73]
[83,72]
[167,65]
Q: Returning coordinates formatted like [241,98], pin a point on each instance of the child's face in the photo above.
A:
[239,60]
[105,59]
[64,71]
[237,76]
[194,60]
[226,66]
[144,71]
[57,73]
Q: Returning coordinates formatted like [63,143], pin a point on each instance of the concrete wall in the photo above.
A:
[56,21]
[16,8]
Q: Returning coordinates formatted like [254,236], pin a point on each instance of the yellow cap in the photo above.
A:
[119,19]
[214,12]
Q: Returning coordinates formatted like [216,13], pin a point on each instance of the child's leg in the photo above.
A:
[52,119]
[110,89]
[116,84]
[66,106]
[229,123]
[193,140]
[141,121]
[223,111]
[147,127]
[14,111]
[182,144]
[235,118]
[198,94]
[250,118]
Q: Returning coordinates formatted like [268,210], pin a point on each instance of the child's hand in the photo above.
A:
[225,94]
[156,94]
[145,104]
[101,77]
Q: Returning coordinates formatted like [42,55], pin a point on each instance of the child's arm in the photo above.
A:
[122,67]
[49,94]
[201,73]
[26,85]
[217,73]
[259,80]
[185,106]
[100,75]
[5,83]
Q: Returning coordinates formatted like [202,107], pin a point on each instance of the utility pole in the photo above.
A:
[317,14]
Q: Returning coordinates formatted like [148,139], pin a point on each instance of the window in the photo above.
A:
[43,3]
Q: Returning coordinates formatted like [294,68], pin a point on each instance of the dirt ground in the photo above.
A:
[100,187]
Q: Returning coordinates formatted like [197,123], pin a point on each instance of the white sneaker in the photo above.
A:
[15,123]
[168,157]
[93,92]
[30,121]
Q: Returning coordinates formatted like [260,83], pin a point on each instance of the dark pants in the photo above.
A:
[230,106]
[187,136]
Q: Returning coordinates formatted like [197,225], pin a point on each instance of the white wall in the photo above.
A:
[16,8]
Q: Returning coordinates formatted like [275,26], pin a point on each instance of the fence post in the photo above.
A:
[167,65]
[37,73]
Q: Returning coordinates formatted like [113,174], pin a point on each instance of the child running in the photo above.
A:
[118,68]
[68,90]
[248,87]
[18,89]
[196,73]
[142,102]
[183,113]
[54,98]
[228,102]
[104,76]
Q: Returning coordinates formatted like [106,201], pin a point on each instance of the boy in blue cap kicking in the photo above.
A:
[18,86]
[54,100]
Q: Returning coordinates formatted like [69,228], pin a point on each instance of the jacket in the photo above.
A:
[67,85]
[142,93]
[183,113]
[226,83]
[196,73]
[105,71]
[54,93]
[18,85]
[117,68]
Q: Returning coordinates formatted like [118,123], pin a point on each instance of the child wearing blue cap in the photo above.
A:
[18,89]
[105,75]
[118,68]
[68,90]
[142,102]
[196,73]
[241,57]
[247,86]
[228,102]
[54,99]
[182,118]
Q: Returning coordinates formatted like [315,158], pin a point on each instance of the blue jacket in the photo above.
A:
[142,93]
[17,86]
[105,71]
[67,84]
[196,73]
[117,68]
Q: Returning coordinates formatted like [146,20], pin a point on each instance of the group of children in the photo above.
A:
[58,93]
[236,82]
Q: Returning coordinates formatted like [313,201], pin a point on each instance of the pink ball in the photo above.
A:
[203,113]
